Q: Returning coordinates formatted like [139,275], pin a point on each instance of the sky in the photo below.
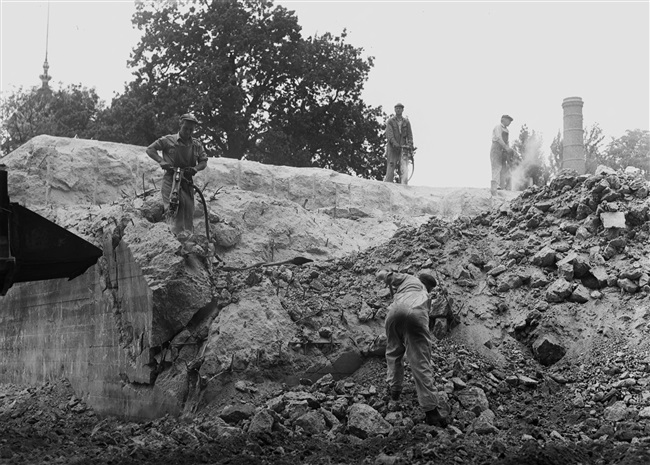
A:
[456,66]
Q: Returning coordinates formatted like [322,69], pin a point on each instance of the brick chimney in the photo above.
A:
[573,147]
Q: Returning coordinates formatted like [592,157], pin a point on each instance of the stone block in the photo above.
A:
[613,219]
[565,271]
[548,350]
[474,399]
[627,285]
[544,258]
[235,413]
[559,290]
[581,266]
[484,424]
[618,411]
[580,294]
[364,421]
[311,422]
[262,422]
[601,275]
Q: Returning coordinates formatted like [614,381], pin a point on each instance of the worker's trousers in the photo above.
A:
[184,220]
[393,157]
[501,175]
[407,331]
[496,162]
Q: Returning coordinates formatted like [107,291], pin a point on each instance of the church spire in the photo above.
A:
[45,77]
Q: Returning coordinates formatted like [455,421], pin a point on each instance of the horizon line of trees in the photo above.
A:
[261,90]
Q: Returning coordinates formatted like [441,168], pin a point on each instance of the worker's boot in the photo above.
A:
[493,188]
[433,418]
[392,402]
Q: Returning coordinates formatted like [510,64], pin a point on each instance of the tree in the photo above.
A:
[134,117]
[260,89]
[557,150]
[68,112]
[322,115]
[593,138]
[631,149]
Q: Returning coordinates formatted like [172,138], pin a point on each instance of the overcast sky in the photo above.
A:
[456,66]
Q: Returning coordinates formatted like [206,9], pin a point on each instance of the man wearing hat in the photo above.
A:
[499,153]
[407,334]
[180,150]
[398,135]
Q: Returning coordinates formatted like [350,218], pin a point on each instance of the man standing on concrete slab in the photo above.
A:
[180,150]
[499,153]
[407,333]
[399,136]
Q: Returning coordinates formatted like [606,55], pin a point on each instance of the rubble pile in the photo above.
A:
[541,320]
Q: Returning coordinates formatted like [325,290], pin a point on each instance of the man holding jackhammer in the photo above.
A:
[500,153]
[180,150]
[407,333]
[398,136]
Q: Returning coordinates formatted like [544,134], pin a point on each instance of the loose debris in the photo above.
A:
[541,317]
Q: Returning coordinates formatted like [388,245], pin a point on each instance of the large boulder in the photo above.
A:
[255,329]
[364,421]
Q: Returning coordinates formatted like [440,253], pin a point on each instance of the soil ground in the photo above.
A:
[48,424]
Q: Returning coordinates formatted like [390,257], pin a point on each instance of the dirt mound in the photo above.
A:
[565,375]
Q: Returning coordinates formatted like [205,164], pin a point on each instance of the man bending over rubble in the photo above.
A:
[407,331]
[180,151]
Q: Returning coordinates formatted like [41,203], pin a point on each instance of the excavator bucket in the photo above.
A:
[33,248]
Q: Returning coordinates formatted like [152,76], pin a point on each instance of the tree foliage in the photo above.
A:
[631,149]
[134,117]
[261,91]
[593,140]
[557,151]
[68,112]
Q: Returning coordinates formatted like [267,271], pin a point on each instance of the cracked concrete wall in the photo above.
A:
[51,170]
[94,330]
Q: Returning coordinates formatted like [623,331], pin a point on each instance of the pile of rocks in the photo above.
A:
[529,366]
[590,230]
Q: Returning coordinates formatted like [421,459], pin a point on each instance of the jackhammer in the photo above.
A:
[408,152]
[178,177]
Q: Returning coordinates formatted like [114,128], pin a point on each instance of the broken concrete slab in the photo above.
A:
[613,220]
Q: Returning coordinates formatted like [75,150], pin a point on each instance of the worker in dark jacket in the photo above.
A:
[407,331]
[398,136]
[180,150]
